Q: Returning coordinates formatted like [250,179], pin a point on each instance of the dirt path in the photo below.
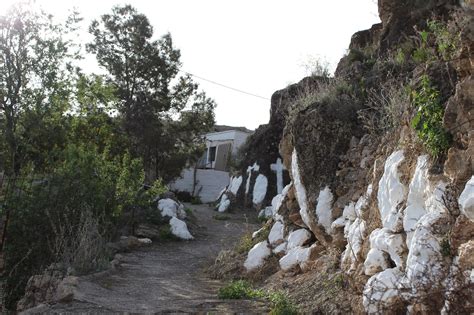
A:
[166,277]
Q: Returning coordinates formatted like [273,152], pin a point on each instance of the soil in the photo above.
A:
[167,277]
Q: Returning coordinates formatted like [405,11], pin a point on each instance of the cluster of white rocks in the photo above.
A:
[405,255]
[175,212]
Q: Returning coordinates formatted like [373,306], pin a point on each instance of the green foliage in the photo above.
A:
[162,114]
[446,247]
[281,304]
[246,242]
[241,289]
[221,217]
[447,41]
[428,120]
[196,200]
[166,234]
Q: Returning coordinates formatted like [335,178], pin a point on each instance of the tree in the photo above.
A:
[35,76]
[162,119]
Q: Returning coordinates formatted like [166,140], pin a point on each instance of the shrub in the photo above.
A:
[385,108]
[428,120]
[67,215]
[281,304]
[239,289]
[246,242]
[196,200]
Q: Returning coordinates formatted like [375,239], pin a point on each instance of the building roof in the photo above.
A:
[220,128]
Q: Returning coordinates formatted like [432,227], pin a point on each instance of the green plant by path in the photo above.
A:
[241,289]
[428,120]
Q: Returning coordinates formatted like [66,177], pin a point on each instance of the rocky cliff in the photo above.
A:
[380,166]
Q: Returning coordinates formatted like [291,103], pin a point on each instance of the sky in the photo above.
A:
[255,46]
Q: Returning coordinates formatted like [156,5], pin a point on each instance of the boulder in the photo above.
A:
[180,229]
[257,255]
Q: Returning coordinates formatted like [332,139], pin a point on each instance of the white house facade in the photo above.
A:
[210,175]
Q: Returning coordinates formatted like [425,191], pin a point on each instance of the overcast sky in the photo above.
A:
[257,46]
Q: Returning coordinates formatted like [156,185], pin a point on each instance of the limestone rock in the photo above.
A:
[180,229]
[257,255]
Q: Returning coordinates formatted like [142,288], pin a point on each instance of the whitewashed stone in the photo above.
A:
[298,237]
[418,192]
[266,213]
[180,229]
[323,209]
[224,204]
[382,291]
[260,189]
[375,262]
[391,193]
[278,168]
[300,189]
[466,200]
[255,167]
[280,249]
[168,207]
[295,256]
[277,233]
[390,243]
[257,255]
[235,185]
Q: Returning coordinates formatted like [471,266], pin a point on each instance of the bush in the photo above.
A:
[67,216]
[281,304]
[239,289]
[428,120]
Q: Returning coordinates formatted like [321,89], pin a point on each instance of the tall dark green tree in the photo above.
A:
[163,114]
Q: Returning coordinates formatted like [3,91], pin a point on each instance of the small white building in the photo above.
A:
[210,175]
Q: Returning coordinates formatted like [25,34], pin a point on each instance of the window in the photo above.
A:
[212,154]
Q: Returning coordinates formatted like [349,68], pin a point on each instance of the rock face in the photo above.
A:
[362,186]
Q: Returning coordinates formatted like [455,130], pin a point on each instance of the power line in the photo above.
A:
[225,86]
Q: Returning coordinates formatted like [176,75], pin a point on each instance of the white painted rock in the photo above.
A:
[393,244]
[466,200]
[375,261]
[180,229]
[280,249]
[260,189]
[266,213]
[298,238]
[277,232]
[382,291]
[295,256]
[391,193]
[324,209]
[257,255]
[256,233]
[145,241]
[224,204]
[235,185]
[299,188]
[168,207]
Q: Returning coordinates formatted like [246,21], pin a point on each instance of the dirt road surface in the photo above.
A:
[167,277]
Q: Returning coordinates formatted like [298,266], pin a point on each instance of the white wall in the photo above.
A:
[211,181]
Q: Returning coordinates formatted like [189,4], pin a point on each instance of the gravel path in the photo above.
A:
[166,277]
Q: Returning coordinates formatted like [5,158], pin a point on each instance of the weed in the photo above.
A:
[445,247]
[188,211]
[428,120]
[196,200]
[165,233]
[281,304]
[239,289]
[247,242]
[221,217]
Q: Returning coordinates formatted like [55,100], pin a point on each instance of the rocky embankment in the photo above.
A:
[372,170]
